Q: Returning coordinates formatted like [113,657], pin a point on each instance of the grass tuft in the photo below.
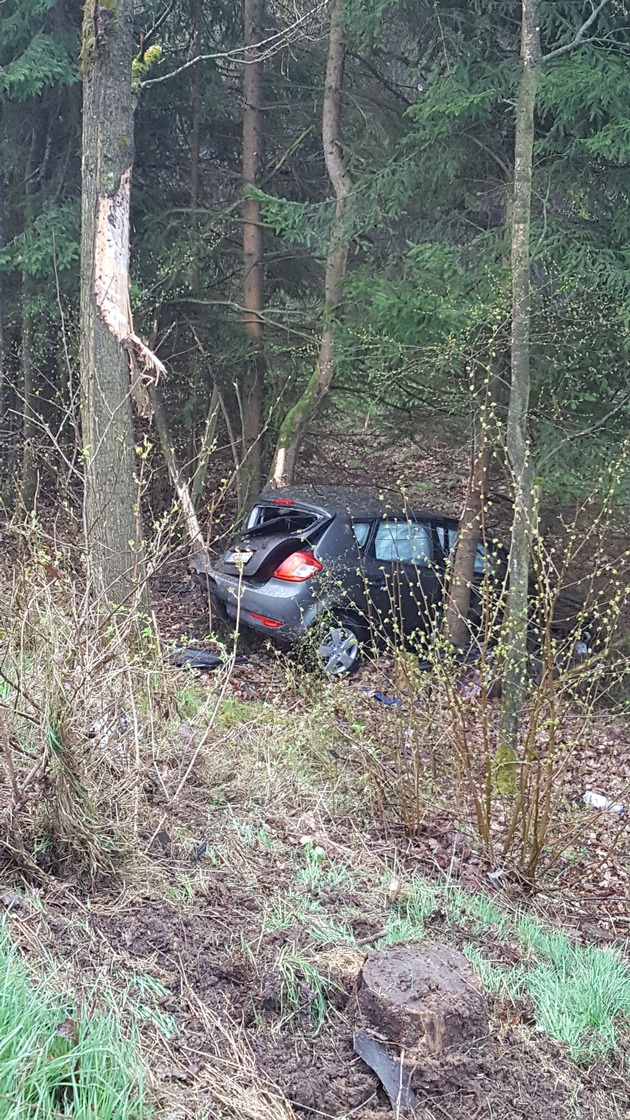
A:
[582,998]
[58,1061]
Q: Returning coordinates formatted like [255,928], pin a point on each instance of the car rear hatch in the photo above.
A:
[273,530]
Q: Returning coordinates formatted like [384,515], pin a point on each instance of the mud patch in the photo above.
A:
[323,1075]
[180,944]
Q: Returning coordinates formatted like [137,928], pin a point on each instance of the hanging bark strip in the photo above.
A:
[302,412]
[518,450]
[253,247]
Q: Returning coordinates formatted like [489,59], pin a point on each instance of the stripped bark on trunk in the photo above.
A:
[300,415]
[114,361]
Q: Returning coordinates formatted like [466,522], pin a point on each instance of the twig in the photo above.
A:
[273,44]
[8,759]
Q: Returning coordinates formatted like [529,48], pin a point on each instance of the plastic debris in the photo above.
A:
[200,658]
[393,891]
[389,701]
[392,1075]
[598,801]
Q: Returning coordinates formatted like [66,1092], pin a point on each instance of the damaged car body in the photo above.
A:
[344,564]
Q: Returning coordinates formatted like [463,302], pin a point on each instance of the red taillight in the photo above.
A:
[297,567]
[283,502]
[271,622]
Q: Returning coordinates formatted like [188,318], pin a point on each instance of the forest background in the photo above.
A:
[426,133]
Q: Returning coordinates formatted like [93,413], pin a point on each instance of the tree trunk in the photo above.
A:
[518,450]
[253,248]
[300,415]
[111,507]
[2,366]
[203,455]
[194,151]
[28,472]
[469,534]
[28,475]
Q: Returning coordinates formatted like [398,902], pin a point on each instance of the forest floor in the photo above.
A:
[270,857]
[234,937]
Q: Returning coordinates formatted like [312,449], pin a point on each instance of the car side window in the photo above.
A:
[480,555]
[446,537]
[407,541]
[480,559]
[361,530]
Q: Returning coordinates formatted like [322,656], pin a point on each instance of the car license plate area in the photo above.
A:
[238,556]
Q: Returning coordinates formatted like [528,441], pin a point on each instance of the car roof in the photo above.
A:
[358,501]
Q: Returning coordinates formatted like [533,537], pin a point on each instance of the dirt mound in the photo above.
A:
[507,1076]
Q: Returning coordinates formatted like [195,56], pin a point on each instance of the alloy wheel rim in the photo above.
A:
[338,651]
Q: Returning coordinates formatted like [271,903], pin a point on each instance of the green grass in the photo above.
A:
[303,986]
[582,998]
[318,872]
[405,921]
[290,910]
[233,712]
[189,700]
[57,1060]
[252,836]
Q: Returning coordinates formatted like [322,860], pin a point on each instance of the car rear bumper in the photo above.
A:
[281,610]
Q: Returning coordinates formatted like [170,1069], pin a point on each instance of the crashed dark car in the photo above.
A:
[343,564]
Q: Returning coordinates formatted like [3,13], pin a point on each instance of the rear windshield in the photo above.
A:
[289,519]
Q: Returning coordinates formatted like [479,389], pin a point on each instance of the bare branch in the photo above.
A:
[159,21]
[579,38]
[272,44]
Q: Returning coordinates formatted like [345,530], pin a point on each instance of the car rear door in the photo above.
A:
[403,569]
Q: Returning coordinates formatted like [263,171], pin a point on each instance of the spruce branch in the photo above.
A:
[579,37]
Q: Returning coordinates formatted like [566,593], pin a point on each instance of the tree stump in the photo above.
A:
[425,999]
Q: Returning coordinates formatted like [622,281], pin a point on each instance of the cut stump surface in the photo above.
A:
[423,998]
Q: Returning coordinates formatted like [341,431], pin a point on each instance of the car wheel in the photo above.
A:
[339,647]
